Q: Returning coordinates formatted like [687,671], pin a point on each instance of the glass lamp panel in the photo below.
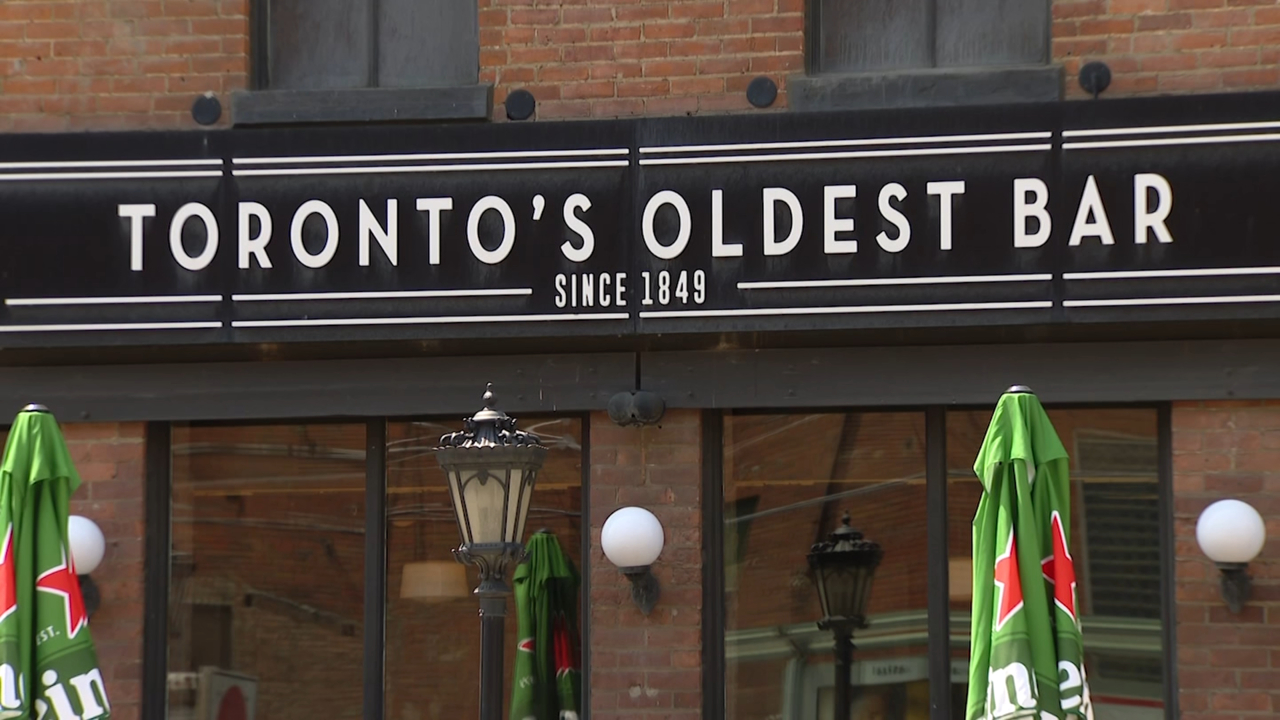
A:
[842,588]
[513,525]
[484,496]
[456,502]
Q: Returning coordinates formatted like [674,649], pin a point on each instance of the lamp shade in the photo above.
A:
[1231,531]
[843,568]
[491,469]
[632,537]
[87,544]
[428,581]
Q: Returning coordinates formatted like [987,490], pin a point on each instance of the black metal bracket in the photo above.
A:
[636,408]
[645,588]
[89,592]
[1236,585]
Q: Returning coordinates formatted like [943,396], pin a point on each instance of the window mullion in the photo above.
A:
[375,566]
[939,563]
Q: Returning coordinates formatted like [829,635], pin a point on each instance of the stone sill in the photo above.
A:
[362,105]
[948,87]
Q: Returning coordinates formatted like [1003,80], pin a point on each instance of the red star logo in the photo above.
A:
[1008,583]
[1060,569]
[61,580]
[8,589]
[525,645]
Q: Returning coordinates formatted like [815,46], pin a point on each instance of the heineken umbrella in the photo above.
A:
[1026,656]
[48,665]
[547,679]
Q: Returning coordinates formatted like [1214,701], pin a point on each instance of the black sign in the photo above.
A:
[1039,214]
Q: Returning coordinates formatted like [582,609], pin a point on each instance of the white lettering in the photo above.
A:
[136,213]
[605,298]
[831,225]
[1024,210]
[718,246]
[388,239]
[57,695]
[433,207]
[945,191]
[500,253]
[253,246]
[578,201]
[306,210]
[1091,217]
[894,191]
[620,285]
[561,300]
[180,218]
[772,196]
[1144,218]
[660,251]
[90,689]
[1008,689]
[9,698]
[1071,684]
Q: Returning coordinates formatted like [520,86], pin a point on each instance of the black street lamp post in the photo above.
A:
[491,468]
[843,568]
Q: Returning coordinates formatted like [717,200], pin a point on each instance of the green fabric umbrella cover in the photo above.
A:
[547,674]
[48,665]
[1026,655]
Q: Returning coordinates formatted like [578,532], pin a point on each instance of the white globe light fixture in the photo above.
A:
[632,539]
[86,547]
[1231,534]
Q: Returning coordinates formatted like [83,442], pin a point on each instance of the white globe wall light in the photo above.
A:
[632,539]
[1231,534]
[86,547]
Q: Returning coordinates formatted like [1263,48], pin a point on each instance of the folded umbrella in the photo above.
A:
[547,677]
[1026,656]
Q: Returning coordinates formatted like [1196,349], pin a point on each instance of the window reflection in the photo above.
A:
[1115,539]
[432,631]
[266,597]
[787,481]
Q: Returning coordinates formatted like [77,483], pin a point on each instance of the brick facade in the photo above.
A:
[1228,665]
[110,458]
[112,64]
[648,667]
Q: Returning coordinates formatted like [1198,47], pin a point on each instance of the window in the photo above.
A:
[268,583]
[789,479]
[340,44]
[364,61]
[884,35]
[786,479]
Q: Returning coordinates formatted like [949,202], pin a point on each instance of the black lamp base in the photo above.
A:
[1236,584]
[644,587]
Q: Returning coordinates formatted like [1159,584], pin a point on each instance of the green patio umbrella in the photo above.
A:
[48,665]
[1026,656]
[547,674]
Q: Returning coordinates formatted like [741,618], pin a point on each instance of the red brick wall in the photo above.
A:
[647,667]
[1228,665]
[1170,46]
[110,458]
[99,64]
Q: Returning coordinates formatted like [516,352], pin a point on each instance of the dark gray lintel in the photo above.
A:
[944,87]
[450,386]
[965,375]
[279,107]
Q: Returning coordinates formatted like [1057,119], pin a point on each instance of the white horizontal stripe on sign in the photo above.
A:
[465,167]
[107,164]
[847,310]
[1165,142]
[858,142]
[374,295]
[1207,300]
[111,175]
[845,155]
[882,282]
[90,327]
[1157,129]
[123,300]
[1195,272]
[439,320]
[420,157]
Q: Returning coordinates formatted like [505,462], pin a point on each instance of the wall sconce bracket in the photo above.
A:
[645,588]
[1236,584]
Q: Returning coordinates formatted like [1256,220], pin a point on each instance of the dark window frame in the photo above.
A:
[714,687]
[158,499]
[263,105]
